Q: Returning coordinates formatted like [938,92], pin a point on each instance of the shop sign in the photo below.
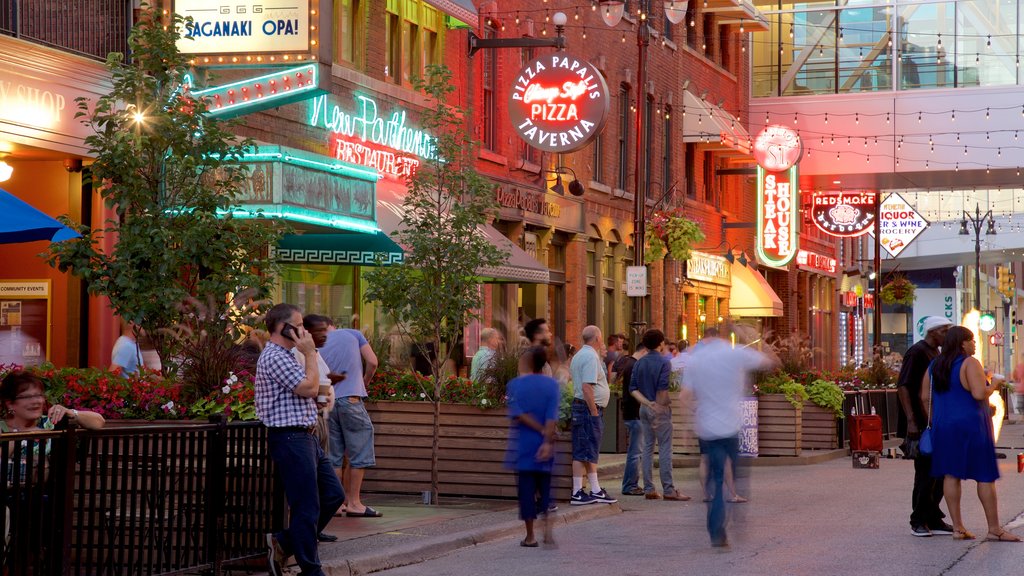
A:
[257,27]
[848,299]
[367,126]
[814,261]
[558,102]
[708,268]
[900,224]
[777,150]
[844,214]
[26,102]
[528,201]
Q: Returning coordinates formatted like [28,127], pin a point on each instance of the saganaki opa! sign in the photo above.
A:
[777,150]
[558,103]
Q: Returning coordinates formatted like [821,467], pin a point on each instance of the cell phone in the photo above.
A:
[289,331]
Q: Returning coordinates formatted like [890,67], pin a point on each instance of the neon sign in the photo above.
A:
[279,87]
[777,150]
[385,162]
[367,125]
[844,214]
[815,261]
[558,103]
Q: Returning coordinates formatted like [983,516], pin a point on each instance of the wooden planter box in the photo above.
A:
[471,456]
[779,426]
[818,428]
[684,440]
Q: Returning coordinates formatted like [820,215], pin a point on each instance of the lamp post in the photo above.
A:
[976,221]
[612,12]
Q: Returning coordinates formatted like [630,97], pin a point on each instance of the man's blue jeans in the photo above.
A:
[657,427]
[631,474]
[313,491]
[718,452]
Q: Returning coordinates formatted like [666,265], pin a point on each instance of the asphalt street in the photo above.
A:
[826,518]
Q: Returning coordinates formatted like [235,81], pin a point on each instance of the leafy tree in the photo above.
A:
[168,172]
[433,293]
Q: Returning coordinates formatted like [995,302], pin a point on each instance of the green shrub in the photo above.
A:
[782,383]
[827,395]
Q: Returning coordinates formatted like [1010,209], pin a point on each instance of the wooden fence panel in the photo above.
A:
[471,458]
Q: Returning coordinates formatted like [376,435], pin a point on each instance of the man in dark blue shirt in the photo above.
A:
[649,385]
[533,407]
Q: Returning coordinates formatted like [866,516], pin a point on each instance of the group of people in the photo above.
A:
[311,380]
[943,387]
[715,379]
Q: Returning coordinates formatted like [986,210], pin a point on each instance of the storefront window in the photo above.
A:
[351,31]
[320,289]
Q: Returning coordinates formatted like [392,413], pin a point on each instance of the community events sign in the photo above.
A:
[777,150]
[559,102]
[253,27]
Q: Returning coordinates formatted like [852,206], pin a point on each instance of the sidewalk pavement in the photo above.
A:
[410,532]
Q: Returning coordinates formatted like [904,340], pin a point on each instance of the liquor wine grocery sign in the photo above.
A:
[844,214]
[559,102]
[900,224]
[777,150]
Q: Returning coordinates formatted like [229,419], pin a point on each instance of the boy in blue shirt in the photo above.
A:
[533,407]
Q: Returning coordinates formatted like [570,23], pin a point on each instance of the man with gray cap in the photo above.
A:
[926,518]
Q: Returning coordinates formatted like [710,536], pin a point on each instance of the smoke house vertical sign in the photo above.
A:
[559,102]
[777,150]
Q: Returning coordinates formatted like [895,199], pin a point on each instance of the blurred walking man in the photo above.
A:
[715,376]
[590,398]
[286,404]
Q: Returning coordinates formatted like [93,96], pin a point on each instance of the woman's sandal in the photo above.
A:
[962,535]
[1002,536]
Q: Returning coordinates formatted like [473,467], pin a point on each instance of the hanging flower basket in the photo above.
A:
[899,290]
[671,233]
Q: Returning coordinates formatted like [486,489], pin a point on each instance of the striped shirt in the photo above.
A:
[277,404]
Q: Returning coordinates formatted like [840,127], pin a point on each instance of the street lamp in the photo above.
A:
[612,12]
[976,221]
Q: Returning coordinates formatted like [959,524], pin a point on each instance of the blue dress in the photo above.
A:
[962,433]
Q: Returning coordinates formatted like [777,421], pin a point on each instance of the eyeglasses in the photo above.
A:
[29,396]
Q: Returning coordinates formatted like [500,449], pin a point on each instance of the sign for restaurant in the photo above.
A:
[813,261]
[900,224]
[844,214]
[366,136]
[776,150]
[254,27]
[708,268]
[528,201]
[558,103]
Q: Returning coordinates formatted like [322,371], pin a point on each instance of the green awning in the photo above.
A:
[344,249]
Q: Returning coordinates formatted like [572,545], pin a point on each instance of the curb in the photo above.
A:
[441,545]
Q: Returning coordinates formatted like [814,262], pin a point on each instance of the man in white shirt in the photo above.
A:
[716,377]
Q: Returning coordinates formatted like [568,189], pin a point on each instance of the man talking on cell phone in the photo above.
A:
[286,404]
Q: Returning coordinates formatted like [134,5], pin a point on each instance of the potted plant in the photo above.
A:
[671,232]
[818,420]
[898,290]
[780,401]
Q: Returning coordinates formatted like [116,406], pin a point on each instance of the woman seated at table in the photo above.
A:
[24,401]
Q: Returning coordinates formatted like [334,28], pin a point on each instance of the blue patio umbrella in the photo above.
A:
[20,222]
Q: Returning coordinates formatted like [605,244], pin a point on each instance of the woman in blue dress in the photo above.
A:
[962,439]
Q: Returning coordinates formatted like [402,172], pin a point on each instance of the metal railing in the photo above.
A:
[91,28]
[153,499]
